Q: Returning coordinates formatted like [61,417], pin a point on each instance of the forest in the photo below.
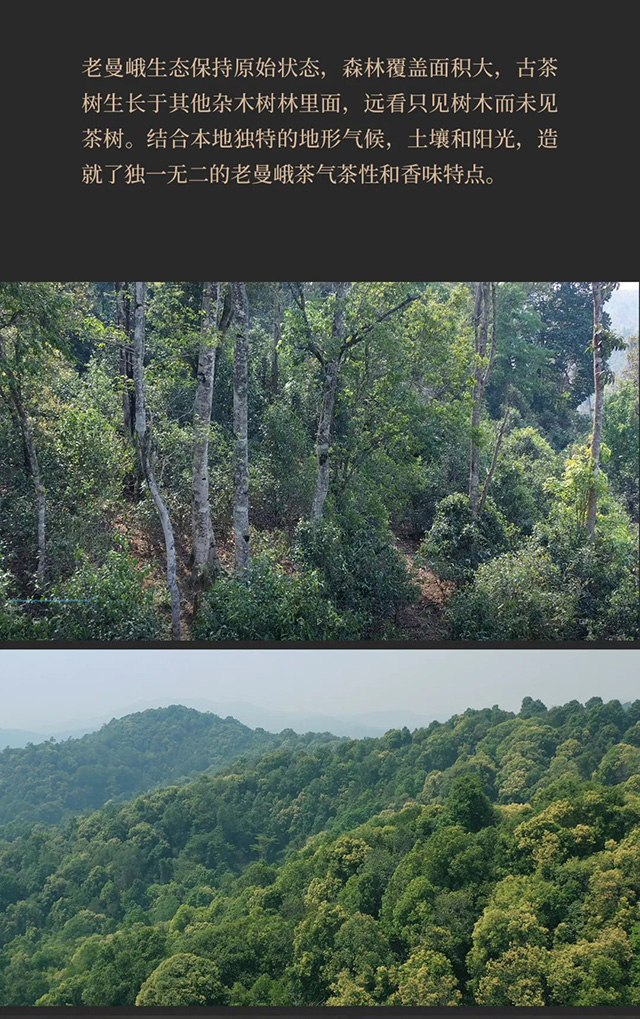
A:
[50,780]
[223,462]
[493,859]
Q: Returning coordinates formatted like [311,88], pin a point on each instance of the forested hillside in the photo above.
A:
[493,859]
[316,461]
[48,781]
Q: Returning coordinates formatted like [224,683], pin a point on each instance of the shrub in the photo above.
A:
[516,596]
[558,586]
[519,487]
[107,602]
[272,605]
[457,544]
[14,624]
[358,563]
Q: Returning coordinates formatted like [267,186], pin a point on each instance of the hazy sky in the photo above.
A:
[47,689]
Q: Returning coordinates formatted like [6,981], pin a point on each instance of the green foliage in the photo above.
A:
[14,623]
[361,569]
[49,781]
[108,602]
[620,433]
[517,596]
[363,872]
[519,487]
[398,457]
[468,805]
[271,605]
[183,980]
[457,544]
[558,585]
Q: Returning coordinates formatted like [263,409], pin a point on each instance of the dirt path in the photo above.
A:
[421,619]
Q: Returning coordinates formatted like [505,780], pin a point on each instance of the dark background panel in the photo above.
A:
[551,215]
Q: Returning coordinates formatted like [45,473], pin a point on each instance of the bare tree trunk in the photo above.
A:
[143,441]
[204,545]
[329,394]
[323,437]
[277,336]
[484,314]
[125,356]
[599,367]
[240,430]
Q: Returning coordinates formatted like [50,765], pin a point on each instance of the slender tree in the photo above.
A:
[240,429]
[125,356]
[216,316]
[33,318]
[143,443]
[21,417]
[484,323]
[600,293]
[494,459]
[277,337]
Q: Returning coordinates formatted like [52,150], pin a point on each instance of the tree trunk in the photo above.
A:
[599,368]
[41,499]
[484,311]
[323,438]
[240,430]
[204,545]
[494,459]
[143,442]
[29,445]
[277,336]
[123,304]
[329,394]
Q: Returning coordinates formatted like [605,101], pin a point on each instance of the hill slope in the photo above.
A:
[490,860]
[128,756]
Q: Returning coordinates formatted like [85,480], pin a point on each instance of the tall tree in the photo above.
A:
[241,429]
[277,337]
[601,292]
[125,355]
[484,322]
[143,442]
[216,316]
[32,321]
[331,356]
[21,417]
[328,406]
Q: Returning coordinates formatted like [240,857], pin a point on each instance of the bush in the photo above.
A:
[604,572]
[14,624]
[558,586]
[360,568]
[519,487]
[457,544]
[272,605]
[281,471]
[108,602]
[620,433]
[517,596]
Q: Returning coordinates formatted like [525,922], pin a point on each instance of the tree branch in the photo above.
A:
[358,337]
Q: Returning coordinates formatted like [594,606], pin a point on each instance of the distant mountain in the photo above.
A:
[50,780]
[356,726]
[19,738]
